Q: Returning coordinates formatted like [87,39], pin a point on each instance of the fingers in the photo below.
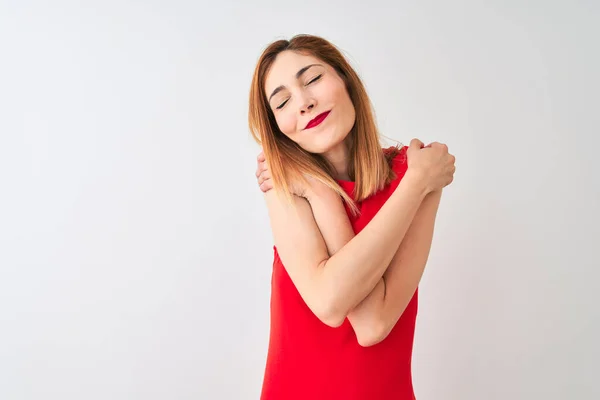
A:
[260,163]
[260,167]
[265,183]
[416,144]
[263,177]
[438,145]
[263,174]
[266,186]
[452,168]
[448,160]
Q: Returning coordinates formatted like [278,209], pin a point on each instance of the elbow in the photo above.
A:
[332,321]
[329,314]
[372,333]
[329,309]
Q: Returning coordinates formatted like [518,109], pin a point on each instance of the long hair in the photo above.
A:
[369,167]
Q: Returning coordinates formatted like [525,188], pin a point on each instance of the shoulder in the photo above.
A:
[396,157]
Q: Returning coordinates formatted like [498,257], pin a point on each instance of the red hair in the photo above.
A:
[368,165]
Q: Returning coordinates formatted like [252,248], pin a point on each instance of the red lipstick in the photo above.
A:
[317,120]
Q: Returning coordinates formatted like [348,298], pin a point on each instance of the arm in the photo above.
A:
[377,314]
[374,318]
[333,285]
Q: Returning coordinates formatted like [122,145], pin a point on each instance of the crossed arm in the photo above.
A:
[368,278]
[375,316]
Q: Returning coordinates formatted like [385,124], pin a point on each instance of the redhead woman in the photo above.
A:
[352,224]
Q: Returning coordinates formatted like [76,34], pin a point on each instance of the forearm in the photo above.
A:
[356,267]
[377,314]
[334,224]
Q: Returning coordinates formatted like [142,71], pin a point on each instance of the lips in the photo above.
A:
[317,120]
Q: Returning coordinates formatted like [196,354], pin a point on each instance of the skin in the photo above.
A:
[317,90]
[368,278]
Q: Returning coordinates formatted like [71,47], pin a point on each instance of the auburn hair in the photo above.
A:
[369,166]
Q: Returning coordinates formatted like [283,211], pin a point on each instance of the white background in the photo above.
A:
[135,248]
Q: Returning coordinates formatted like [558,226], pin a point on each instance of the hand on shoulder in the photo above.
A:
[300,189]
[432,163]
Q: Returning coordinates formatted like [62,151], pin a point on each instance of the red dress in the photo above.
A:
[308,360]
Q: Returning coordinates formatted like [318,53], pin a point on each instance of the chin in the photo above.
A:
[322,147]
[322,142]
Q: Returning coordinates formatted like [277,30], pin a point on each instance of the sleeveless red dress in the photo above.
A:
[308,360]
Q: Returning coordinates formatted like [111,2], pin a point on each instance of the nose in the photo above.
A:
[308,105]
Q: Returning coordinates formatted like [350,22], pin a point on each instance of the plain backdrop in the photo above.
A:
[135,247]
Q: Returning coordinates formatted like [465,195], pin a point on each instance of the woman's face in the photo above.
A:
[310,102]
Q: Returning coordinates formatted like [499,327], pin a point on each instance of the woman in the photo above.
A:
[352,226]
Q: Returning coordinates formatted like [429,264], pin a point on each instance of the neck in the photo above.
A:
[339,157]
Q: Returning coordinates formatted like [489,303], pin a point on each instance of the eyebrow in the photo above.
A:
[298,75]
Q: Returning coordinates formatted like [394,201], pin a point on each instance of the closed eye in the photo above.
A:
[316,78]
[281,105]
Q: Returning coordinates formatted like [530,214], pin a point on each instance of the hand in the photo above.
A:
[262,173]
[265,183]
[432,163]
